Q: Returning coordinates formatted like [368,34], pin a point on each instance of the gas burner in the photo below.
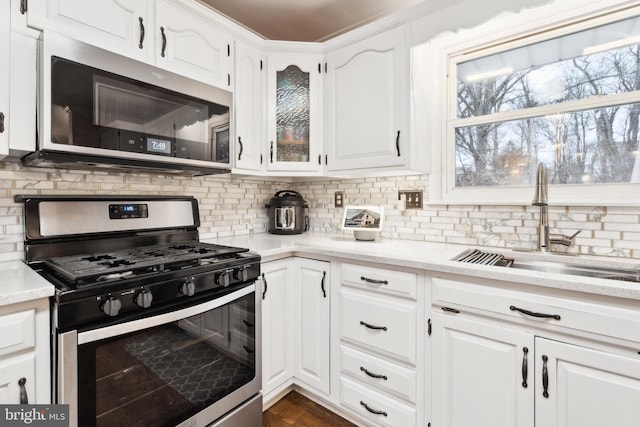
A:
[94,269]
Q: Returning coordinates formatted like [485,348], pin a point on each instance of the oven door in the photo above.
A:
[186,367]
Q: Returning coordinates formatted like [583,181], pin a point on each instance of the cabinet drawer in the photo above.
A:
[593,317]
[385,325]
[379,373]
[17,331]
[391,411]
[392,282]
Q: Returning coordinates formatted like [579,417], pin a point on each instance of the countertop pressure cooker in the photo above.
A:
[286,213]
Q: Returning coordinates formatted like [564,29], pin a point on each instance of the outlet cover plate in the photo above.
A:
[338,199]
[413,199]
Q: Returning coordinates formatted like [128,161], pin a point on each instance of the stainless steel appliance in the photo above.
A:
[100,109]
[287,213]
[150,326]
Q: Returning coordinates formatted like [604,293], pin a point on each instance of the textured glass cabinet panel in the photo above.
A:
[292,115]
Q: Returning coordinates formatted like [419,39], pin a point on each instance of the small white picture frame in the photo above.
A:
[365,221]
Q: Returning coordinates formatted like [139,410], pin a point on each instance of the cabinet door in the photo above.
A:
[479,373]
[365,104]
[12,371]
[189,45]
[586,387]
[5,36]
[311,303]
[120,26]
[249,96]
[293,113]
[277,326]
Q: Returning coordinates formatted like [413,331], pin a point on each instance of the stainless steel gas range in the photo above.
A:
[150,326]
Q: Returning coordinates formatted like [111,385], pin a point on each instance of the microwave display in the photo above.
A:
[98,109]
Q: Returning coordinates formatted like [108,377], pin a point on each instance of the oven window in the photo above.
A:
[163,375]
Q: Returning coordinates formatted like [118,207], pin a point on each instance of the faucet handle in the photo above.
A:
[561,239]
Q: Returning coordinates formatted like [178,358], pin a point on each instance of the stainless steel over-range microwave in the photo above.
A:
[100,109]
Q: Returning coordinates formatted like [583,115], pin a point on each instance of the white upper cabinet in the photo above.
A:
[122,26]
[294,113]
[181,39]
[366,105]
[190,45]
[248,92]
[17,82]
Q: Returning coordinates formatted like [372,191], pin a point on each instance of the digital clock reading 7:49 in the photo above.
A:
[155,145]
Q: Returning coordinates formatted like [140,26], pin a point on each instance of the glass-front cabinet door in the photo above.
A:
[294,142]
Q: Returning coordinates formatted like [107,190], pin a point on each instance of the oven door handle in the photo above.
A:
[161,319]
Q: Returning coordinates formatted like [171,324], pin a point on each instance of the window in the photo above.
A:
[567,96]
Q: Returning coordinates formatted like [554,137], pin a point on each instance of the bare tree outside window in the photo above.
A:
[572,102]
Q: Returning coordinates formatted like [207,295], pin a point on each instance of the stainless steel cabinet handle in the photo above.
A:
[398,143]
[271,153]
[324,292]
[24,399]
[164,41]
[373,411]
[525,366]
[141,44]
[371,374]
[374,281]
[241,149]
[1,122]
[534,314]
[264,280]
[23,6]
[370,326]
[545,376]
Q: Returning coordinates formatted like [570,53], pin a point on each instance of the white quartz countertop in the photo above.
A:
[436,257]
[20,283]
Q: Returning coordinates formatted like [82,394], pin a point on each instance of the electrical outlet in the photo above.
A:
[413,199]
[338,199]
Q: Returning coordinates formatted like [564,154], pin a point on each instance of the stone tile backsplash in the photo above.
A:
[232,205]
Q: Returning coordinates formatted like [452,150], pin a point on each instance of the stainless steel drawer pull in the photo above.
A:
[450,310]
[371,374]
[367,325]
[373,411]
[375,281]
[534,314]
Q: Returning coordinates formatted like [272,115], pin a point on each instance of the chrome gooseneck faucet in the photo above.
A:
[545,239]
[540,199]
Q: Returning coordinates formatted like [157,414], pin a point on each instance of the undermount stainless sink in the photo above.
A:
[475,256]
[578,270]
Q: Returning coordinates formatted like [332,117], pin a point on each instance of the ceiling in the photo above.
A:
[304,20]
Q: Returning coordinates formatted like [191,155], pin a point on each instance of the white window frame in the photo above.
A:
[501,33]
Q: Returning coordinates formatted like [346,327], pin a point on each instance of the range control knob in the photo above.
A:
[222,279]
[241,274]
[111,306]
[143,298]
[188,288]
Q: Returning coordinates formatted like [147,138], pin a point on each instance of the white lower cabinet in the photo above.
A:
[586,387]
[534,362]
[478,374]
[311,312]
[382,344]
[277,326]
[24,353]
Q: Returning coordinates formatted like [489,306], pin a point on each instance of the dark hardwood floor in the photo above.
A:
[296,410]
